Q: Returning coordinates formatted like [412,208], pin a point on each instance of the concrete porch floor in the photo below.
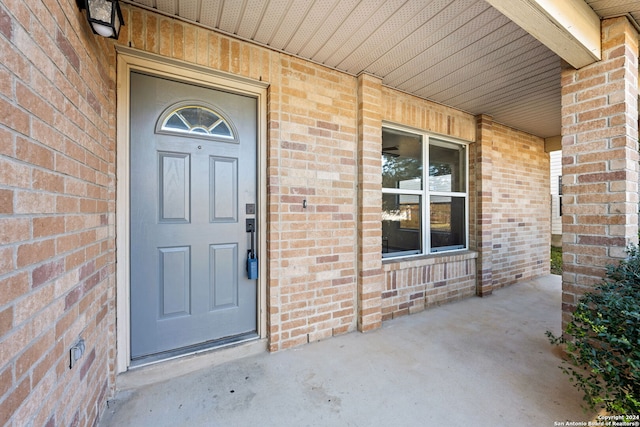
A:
[480,362]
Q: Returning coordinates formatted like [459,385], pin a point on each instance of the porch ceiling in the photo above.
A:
[461,53]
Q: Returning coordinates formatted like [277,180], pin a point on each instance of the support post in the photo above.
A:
[370,276]
[483,200]
[600,161]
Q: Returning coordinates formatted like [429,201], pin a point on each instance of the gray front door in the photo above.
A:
[193,185]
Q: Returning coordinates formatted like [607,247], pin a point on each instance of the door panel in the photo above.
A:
[224,278]
[174,280]
[174,187]
[224,189]
[188,236]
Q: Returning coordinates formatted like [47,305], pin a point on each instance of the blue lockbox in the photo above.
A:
[252,266]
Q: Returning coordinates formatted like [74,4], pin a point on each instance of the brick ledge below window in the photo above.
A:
[390,264]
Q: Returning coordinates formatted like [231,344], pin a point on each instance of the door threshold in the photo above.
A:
[192,349]
[165,369]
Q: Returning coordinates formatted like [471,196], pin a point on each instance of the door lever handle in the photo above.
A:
[252,260]
[251,228]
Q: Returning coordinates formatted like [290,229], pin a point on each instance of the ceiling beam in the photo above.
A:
[553,143]
[570,28]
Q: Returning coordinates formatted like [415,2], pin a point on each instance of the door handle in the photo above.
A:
[252,259]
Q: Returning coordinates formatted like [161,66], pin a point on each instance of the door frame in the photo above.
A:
[129,59]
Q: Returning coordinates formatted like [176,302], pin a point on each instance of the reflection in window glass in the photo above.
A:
[409,225]
[446,167]
[447,223]
[196,120]
[401,220]
[401,160]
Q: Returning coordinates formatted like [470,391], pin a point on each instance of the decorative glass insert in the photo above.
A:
[196,120]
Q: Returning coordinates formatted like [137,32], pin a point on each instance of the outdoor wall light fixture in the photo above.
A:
[104,16]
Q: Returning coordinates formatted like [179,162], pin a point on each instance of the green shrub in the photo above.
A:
[602,341]
[556,260]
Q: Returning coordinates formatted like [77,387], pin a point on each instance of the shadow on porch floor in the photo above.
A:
[480,362]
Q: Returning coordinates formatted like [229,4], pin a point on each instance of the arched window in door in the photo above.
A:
[197,120]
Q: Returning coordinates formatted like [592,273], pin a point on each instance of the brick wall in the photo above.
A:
[408,110]
[520,207]
[510,229]
[57,283]
[57,174]
[312,156]
[370,278]
[599,161]
[481,208]
[411,285]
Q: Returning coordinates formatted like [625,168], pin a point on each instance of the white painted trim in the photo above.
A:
[131,59]
[570,28]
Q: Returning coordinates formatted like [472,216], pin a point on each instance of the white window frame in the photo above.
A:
[426,192]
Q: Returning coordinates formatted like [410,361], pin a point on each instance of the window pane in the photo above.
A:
[401,160]
[401,223]
[446,166]
[221,129]
[174,122]
[196,120]
[447,223]
[198,116]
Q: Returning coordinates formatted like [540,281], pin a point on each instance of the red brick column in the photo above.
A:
[600,161]
[481,156]
[370,277]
